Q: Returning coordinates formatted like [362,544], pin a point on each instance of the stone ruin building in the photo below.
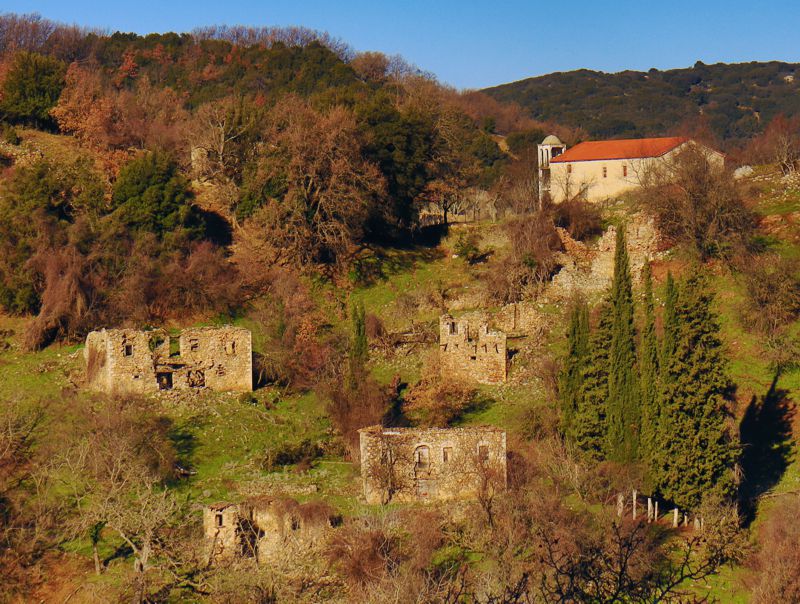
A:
[476,355]
[264,527]
[128,361]
[424,464]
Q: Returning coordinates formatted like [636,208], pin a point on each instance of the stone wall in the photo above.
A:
[224,355]
[590,269]
[470,354]
[521,318]
[424,464]
[222,532]
[265,527]
[128,361]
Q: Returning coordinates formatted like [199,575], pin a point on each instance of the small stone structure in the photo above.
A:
[423,464]
[128,361]
[265,527]
[477,355]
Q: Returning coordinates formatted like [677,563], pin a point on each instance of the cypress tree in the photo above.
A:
[697,449]
[648,364]
[623,387]
[670,321]
[589,425]
[571,376]
[359,349]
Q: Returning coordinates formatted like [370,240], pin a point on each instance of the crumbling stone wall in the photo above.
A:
[222,531]
[424,464]
[590,270]
[471,354]
[141,362]
[265,527]
[522,317]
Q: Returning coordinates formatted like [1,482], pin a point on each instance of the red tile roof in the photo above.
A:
[633,148]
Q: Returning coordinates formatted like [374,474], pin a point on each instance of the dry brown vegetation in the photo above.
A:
[697,203]
[776,564]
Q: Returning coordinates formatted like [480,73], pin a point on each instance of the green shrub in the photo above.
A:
[302,454]
[151,195]
[10,135]
[31,88]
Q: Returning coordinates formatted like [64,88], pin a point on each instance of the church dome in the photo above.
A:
[551,139]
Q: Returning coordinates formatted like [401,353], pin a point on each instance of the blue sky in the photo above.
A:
[472,44]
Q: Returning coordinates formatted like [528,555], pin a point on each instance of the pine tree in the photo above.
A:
[697,448]
[623,386]
[648,365]
[589,425]
[571,377]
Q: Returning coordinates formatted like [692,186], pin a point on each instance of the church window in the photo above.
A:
[605,171]
[624,170]
[569,168]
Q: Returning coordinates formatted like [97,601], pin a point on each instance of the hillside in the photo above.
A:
[225,254]
[738,100]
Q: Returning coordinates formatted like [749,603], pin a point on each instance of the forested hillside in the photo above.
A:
[736,101]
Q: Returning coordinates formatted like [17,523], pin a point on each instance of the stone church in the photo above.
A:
[599,170]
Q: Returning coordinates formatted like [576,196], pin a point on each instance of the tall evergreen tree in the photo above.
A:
[623,387]
[670,321]
[589,426]
[697,447]
[648,367]
[571,377]
[359,347]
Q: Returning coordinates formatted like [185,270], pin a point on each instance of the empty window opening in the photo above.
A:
[295,524]
[453,328]
[194,345]
[135,376]
[174,347]
[164,380]
[447,454]
[220,370]
[624,170]
[605,172]
[128,350]
[218,520]
[569,168]
[473,358]
[422,456]
[483,452]
[230,347]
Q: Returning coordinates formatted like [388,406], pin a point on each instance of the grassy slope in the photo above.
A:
[225,440]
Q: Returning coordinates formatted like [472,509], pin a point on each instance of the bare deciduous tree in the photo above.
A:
[695,201]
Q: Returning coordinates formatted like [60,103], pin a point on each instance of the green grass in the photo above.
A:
[225,440]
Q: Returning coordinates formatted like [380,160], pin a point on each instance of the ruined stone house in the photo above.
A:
[423,464]
[473,355]
[129,361]
[265,527]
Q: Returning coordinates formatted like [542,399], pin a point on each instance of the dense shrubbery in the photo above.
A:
[305,158]
[31,89]
[531,261]
[78,262]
